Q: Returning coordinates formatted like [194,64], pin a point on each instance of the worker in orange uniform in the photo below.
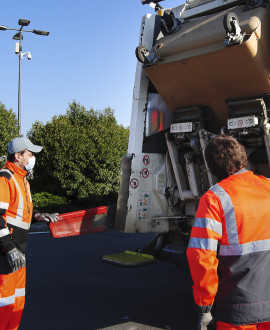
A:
[15,218]
[229,248]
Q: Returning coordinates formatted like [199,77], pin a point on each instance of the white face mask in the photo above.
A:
[31,163]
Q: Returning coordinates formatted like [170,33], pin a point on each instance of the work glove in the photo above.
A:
[16,259]
[47,217]
[205,319]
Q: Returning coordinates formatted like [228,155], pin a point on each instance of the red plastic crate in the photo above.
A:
[77,223]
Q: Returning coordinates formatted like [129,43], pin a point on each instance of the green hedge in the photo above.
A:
[46,202]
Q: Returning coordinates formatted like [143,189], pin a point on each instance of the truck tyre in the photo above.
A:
[168,18]
[228,22]
[141,53]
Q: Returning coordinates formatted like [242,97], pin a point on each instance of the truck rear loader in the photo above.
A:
[203,69]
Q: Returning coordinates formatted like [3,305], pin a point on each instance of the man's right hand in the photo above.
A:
[16,259]
[47,217]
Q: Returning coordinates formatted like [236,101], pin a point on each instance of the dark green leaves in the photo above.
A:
[8,130]
[82,153]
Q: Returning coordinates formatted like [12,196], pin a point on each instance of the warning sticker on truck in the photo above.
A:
[144,204]
[242,122]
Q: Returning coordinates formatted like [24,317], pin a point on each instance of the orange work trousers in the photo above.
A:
[258,326]
[12,298]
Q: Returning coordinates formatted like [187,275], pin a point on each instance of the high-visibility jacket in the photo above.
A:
[16,209]
[229,249]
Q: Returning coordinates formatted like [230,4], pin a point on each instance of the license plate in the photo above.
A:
[242,122]
[181,127]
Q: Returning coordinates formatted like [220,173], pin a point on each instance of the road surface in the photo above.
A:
[70,288]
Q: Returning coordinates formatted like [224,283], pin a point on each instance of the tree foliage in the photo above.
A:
[9,129]
[81,153]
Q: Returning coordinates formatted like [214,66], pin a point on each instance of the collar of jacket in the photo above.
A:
[243,170]
[14,168]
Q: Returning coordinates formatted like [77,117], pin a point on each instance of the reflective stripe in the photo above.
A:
[17,223]
[203,243]
[211,224]
[19,214]
[241,249]
[28,188]
[4,232]
[243,170]
[230,219]
[7,301]
[4,205]
[20,292]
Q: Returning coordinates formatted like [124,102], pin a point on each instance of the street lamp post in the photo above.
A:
[18,50]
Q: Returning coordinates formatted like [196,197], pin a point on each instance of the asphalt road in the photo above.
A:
[69,287]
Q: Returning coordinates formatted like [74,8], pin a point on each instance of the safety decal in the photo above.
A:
[240,122]
[145,173]
[144,199]
[143,214]
[146,160]
[144,205]
[134,183]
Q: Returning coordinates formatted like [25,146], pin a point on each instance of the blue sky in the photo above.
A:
[89,56]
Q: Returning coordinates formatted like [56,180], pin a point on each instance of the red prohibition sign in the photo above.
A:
[145,173]
[146,160]
[134,183]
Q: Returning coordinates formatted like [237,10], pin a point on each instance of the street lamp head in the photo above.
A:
[23,22]
[41,33]
[18,51]
[144,2]
[17,36]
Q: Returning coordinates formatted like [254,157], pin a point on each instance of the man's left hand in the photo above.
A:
[204,320]
[47,217]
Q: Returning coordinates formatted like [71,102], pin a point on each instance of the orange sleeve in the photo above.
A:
[202,251]
[6,241]
[4,199]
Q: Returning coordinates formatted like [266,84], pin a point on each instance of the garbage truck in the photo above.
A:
[203,69]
